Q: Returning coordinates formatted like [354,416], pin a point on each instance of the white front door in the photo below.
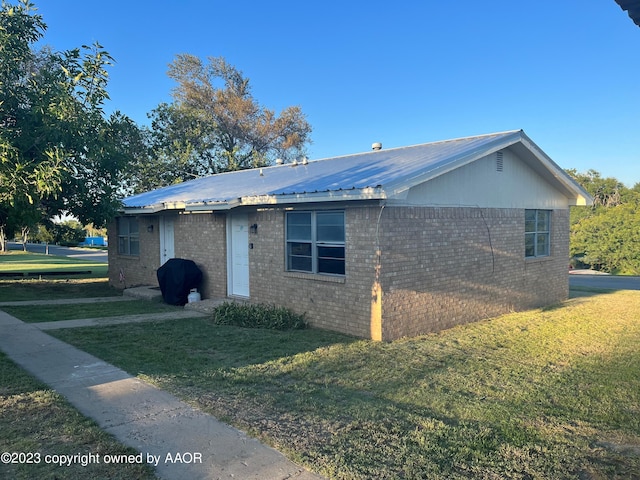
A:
[238,255]
[167,248]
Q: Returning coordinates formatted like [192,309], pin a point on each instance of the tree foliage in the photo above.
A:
[214,124]
[58,150]
[610,239]
[68,232]
[607,235]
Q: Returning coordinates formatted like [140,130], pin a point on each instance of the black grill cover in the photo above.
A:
[176,278]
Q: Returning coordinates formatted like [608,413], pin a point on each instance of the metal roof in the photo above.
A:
[633,9]
[375,175]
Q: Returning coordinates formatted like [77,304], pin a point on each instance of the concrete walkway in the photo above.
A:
[140,415]
[66,301]
[102,321]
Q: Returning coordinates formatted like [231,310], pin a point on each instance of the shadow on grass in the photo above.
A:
[193,346]
[528,396]
[456,411]
[33,289]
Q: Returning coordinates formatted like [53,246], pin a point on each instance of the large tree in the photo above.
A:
[58,150]
[214,124]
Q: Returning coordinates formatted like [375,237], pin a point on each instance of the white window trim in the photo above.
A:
[128,236]
[537,232]
[314,243]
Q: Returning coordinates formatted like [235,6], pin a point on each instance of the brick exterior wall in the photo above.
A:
[334,303]
[443,267]
[409,270]
[203,239]
[198,237]
[137,270]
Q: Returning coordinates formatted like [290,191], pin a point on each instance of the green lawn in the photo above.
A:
[20,262]
[35,419]
[34,288]
[551,393]
[45,313]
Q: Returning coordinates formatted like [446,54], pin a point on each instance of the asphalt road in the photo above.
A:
[612,282]
[75,252]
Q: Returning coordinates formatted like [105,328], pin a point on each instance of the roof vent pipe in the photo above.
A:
[279,161]
[376,146]
[305,161]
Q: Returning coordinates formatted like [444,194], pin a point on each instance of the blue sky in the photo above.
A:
[400,73]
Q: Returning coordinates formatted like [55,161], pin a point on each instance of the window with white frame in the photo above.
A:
[537,233]
[315,242]
[128,237]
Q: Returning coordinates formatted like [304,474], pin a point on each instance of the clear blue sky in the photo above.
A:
[567,72]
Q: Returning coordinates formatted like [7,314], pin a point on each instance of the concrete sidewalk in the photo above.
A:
[117,320]
[139,415]
[66,301]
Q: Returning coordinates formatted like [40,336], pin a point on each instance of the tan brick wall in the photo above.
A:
[448,266]
[202,238]
[548,277]
[329,302]
[438,267]
[197,237]
[137,270]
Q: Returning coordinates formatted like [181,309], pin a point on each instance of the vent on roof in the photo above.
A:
[376,146]
[279,161]
[499,162]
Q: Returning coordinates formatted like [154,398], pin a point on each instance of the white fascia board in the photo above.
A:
[212,206]
[376,193]
[151,209]
[139,210]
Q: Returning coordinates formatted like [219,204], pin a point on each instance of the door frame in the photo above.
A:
[232,248]
[167,249]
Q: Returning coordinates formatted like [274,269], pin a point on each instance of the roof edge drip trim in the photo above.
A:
[369,193]
[150,209]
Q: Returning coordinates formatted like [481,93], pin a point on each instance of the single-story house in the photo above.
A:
[381,244]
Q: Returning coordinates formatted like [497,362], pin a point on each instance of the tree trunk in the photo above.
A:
[25,236]
[3,240]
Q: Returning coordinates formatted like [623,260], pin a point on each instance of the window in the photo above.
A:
[536,233]
[128,238]
[315,242]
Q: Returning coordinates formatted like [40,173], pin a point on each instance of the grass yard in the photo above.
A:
[552,393]
[20,262]
[32,289]
[71,286]
[44,313]
[36,419]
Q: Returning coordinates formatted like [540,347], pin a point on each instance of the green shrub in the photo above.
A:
[258,316]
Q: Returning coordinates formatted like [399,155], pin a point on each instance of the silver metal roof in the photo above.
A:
[378,174]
